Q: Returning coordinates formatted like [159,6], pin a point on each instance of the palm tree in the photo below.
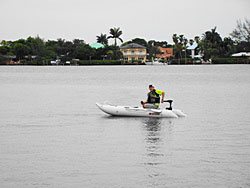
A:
[197,39]
[180,45]
[212,36]
[115,33]
[175,38]
[211,44]
[181,38]
[185,42]
[102,39]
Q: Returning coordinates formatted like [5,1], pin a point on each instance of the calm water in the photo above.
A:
[52,134]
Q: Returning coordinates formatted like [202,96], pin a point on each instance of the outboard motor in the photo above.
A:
[170,104]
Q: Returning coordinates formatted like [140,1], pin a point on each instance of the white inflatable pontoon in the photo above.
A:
[139,111]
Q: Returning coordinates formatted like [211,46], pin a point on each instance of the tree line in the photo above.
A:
[209,45]
[41,50]
[212,45]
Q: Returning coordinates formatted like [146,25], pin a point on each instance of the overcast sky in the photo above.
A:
[149,19]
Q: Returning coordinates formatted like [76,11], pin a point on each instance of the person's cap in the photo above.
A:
[150,85]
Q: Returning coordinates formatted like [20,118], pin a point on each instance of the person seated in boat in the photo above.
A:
[154,98]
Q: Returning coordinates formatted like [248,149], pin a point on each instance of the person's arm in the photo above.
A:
[162,96]
[144,102]
[162,93]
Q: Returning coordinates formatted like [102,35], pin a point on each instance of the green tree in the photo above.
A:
[84,52]
[211,44]
[163,44]
[4,50]
[60,47]
[110,54]
[115,33]
[228,47]
[20,50]
[139,41]
[180,45]
[197,39]
[152,51]
[37,46]
[103,39]
[6,47]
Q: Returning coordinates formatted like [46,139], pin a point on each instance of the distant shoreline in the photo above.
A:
[96,65]
[106,62]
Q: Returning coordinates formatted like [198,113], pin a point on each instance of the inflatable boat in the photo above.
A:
[129,111]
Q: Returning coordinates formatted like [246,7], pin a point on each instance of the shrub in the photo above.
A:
[33,62]
[181,61]
[3,60]
[231,60]
[99,62]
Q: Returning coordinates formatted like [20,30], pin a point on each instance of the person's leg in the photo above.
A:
[151,106]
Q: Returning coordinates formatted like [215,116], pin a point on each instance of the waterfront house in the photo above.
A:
[165,53]
[192,48]
[134,53]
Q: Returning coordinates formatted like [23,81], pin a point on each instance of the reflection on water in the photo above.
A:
[153,135]
[155,140]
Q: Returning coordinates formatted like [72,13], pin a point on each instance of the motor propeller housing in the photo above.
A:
[170,104]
